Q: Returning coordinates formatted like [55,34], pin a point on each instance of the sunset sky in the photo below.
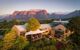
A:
[9,6]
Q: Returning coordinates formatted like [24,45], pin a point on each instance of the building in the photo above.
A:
[20,29]
[39,33]
[44,29]
[61,32]
[34,35]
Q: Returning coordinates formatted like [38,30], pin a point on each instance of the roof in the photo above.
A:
[21,27]
[55,23]
[45,26]
[38,31]
[34,32]
[60,26]
[61,21]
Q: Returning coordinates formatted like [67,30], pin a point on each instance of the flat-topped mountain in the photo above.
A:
[30,12]
[24,15]
[40,14]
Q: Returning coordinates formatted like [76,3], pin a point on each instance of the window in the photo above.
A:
[66,31]
[22,33]
[59,33]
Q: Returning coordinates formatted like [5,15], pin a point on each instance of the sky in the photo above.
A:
[9,6]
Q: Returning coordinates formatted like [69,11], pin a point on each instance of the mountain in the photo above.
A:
[25,15]
[72,14]
[39,14]
[65,16]
[56,16]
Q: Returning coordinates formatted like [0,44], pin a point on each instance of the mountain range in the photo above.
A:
[39,14]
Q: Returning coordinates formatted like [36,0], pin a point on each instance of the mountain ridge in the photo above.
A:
[40,14]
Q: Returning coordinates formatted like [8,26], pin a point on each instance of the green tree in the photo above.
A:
[8,40]
[20,43]
[13,42]
[74,25]
[33,24]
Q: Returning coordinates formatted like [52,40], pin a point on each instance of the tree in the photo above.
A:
[1,43]
[74,25]
[20,43]
[33,24]
[8,40]
[12,41]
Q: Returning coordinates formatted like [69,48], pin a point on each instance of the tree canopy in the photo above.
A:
[12,41]
[33,24]
[74,25]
